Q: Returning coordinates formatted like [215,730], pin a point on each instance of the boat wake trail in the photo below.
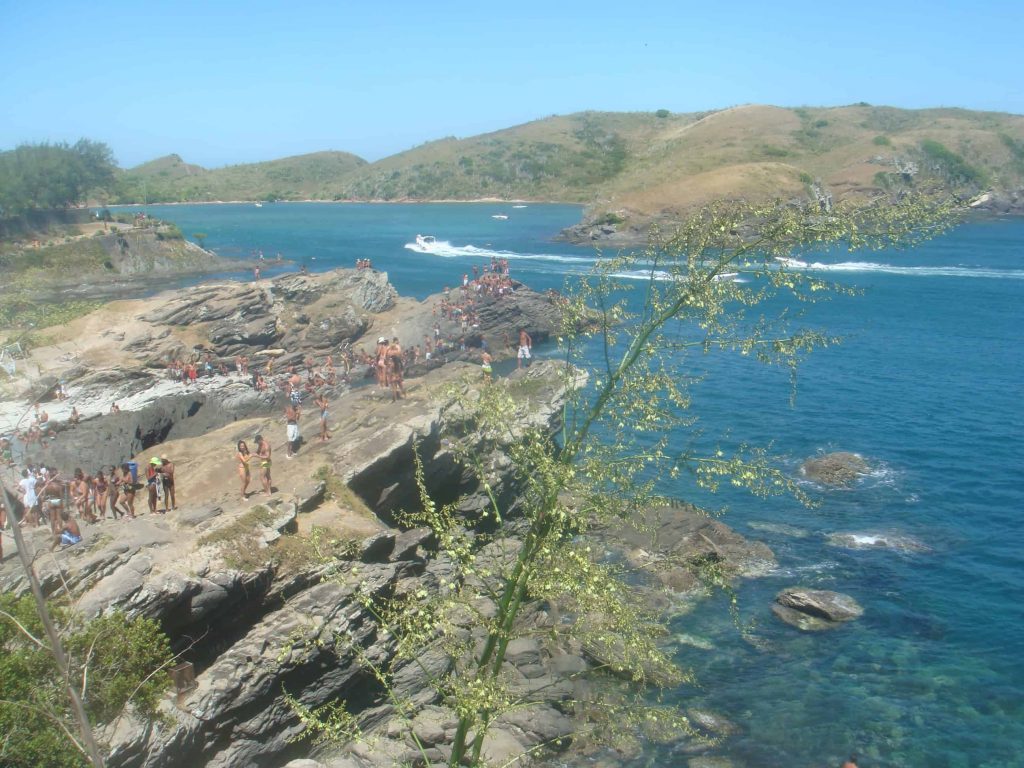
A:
[446,250]
[893,269]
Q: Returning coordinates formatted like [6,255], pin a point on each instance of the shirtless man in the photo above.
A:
[851,763]
[291,418]
[167,467]
[525,347]
[395,364]
[69,534]
[485,366]
[321,403]
[263,454]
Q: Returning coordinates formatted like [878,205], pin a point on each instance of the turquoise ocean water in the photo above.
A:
[927,385]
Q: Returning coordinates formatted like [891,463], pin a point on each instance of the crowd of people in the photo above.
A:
[45,497]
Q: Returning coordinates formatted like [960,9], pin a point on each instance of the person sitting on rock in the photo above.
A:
[69,534]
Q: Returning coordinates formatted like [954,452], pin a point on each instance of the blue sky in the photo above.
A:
[230,82]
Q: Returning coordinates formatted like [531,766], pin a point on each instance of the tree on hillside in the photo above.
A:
[632,357]
[48,176]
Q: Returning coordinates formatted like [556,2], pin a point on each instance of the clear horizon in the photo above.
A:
[228,83]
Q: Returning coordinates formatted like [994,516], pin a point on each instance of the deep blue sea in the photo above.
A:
[927,385]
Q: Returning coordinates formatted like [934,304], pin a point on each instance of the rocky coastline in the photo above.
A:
[251,591]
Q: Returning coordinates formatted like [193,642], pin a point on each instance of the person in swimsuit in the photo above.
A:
[525,347]
[101,489]
[263,453]
[321,403]
[69,534]
[128,491]
[80,493]
[154,481]
[244,457]
[485,366]
[291,418]
[167,468]
[394,369]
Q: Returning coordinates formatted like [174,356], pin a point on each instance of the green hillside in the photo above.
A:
[171,179]
[642,163]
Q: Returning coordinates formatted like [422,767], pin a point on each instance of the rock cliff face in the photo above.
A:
[253,591]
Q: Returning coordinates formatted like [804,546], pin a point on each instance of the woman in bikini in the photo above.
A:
[263,453]
[101,489]
[244,457]
[128,491]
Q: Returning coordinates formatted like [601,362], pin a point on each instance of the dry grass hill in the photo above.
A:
[642,164]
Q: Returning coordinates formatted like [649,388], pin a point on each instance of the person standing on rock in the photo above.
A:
[128,490]
[321,403]
[263,454]
[393,356]
[154,483]
[244,473]
[291,418]
[525,347]
[167,469]
[485,366]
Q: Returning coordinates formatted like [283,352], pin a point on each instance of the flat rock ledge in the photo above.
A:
[813,610]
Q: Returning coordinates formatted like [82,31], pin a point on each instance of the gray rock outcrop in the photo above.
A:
[815,609]
[837,470]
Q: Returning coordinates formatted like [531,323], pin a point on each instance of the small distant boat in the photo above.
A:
[518,206]
[259,205]
[500,216]
[725,276]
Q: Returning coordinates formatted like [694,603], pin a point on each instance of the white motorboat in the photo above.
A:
[500,216]
[423,244]
[518,206]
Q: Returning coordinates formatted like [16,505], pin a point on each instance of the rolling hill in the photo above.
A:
[641,164]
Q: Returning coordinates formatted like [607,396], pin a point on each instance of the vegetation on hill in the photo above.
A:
[170,179]
[640,163]
[48,176]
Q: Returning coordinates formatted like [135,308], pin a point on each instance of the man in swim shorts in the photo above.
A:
[525,346]
[291,418]
[69,534]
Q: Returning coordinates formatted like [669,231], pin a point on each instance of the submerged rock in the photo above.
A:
[838,470]
[815,609]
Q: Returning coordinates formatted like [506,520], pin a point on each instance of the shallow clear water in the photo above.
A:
[927,385]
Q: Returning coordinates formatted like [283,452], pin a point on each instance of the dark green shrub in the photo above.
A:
[881,141]
[662,113]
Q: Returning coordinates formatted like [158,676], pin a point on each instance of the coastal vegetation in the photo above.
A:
[113,662]
[630,360]
[47,176]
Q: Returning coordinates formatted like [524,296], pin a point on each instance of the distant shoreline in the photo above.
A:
[349,202]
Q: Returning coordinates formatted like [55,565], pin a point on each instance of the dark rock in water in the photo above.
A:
[813,609]
[838,470]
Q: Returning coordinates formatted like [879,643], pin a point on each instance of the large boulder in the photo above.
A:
[837,470]
[815,609]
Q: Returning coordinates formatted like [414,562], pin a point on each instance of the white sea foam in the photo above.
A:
[883,540]
[894,269]
[445,249]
